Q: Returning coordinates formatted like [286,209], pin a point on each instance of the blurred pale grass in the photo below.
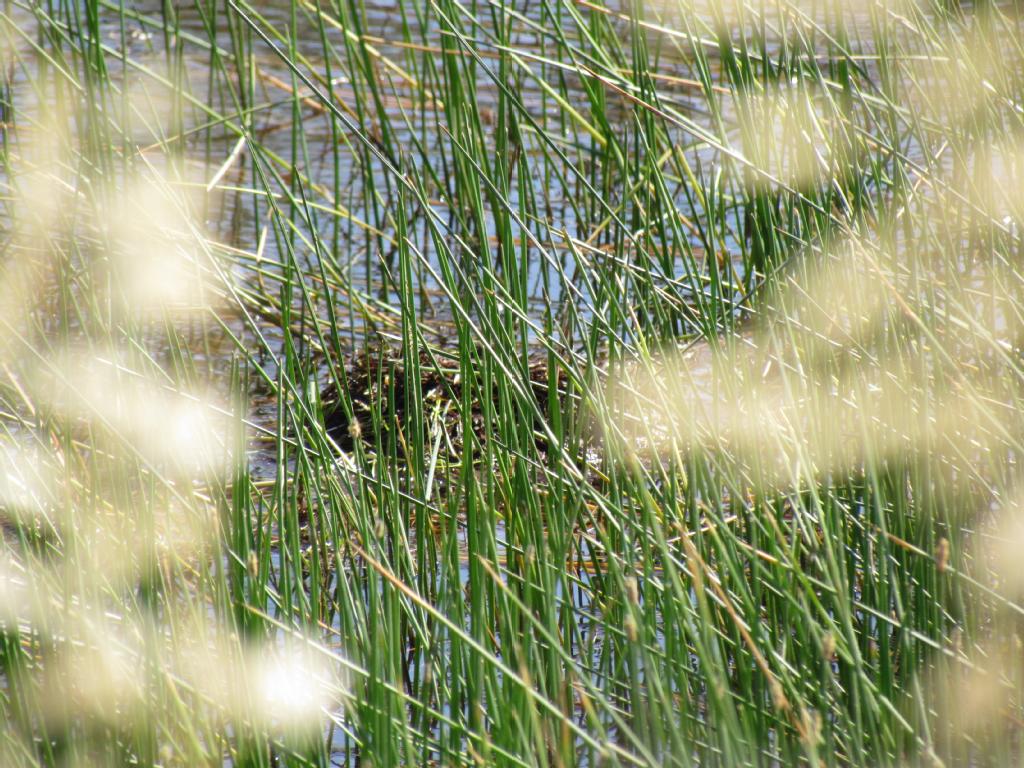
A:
[29,478]
[979,695]
[112,670]
[794,137]
[99,549]
[815,390]
[167,426]
[104,520]
[155,252]
[956,81]
[994,183]
[733,16]
[288,684]
[43,179]
[96,671]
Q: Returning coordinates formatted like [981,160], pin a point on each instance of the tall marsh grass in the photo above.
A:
[545,382]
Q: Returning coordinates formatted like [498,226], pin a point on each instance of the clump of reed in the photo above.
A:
[696,437]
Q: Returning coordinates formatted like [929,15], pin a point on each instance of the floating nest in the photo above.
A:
[379,390]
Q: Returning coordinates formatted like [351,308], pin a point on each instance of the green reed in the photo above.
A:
[542,207]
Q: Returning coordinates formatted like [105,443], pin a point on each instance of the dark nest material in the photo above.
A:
[378,384]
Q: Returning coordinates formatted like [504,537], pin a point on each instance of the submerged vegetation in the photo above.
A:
[540,382]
